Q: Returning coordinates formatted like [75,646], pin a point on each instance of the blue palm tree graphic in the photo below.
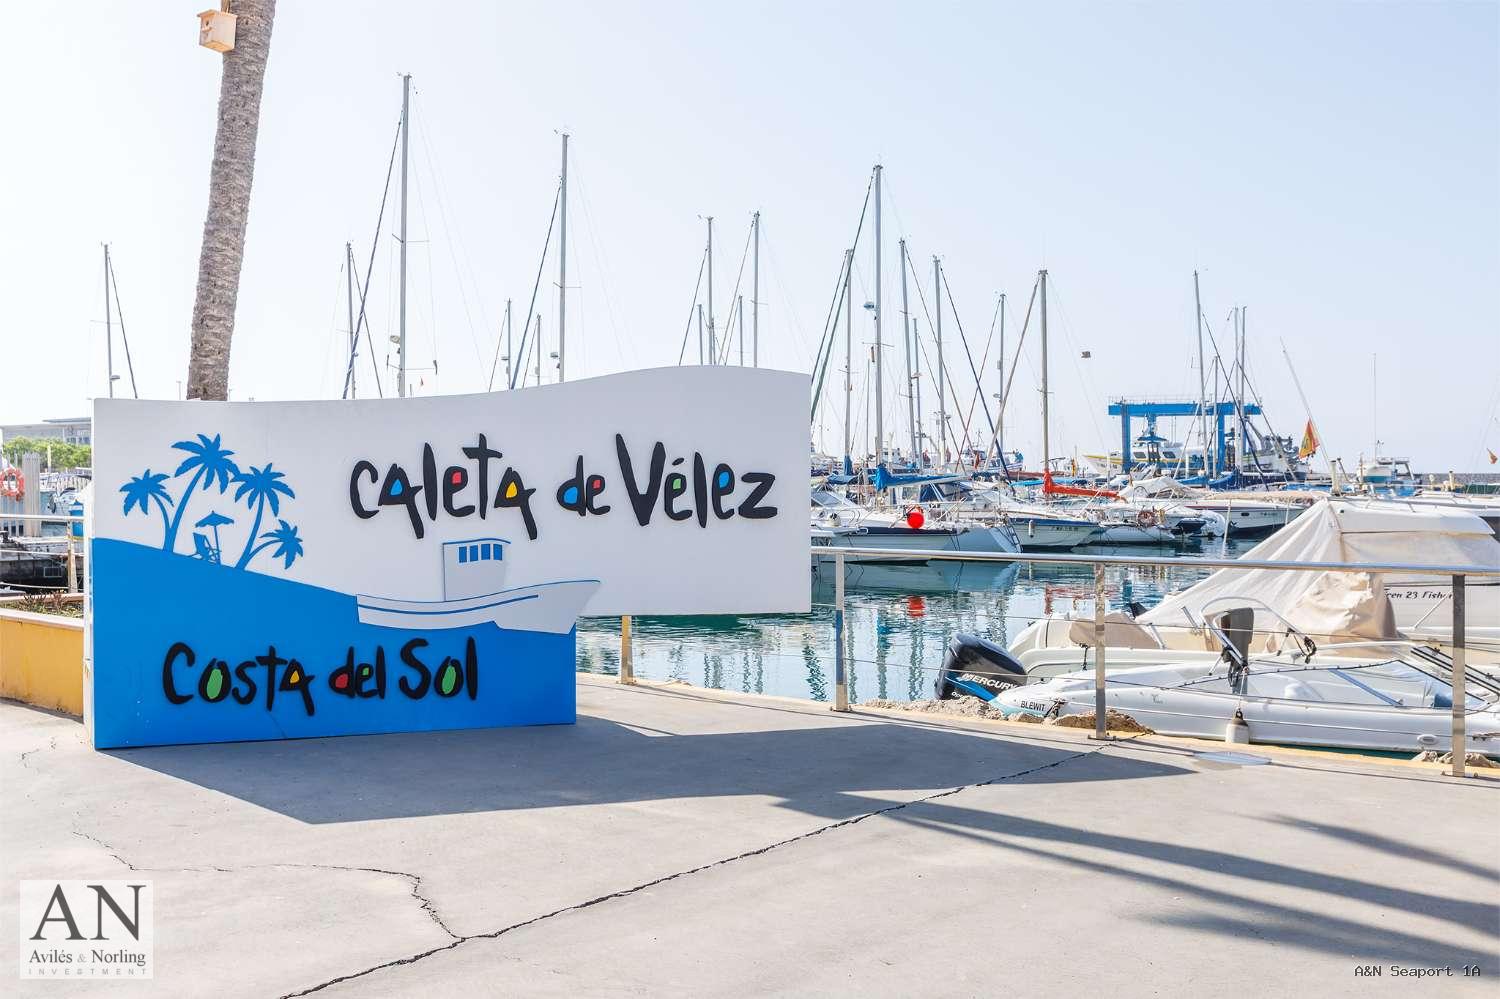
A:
[260,487]
[288,545]
[146,488]
[210,463]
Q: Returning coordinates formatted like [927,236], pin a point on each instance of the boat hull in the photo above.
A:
[1269,720]
[1040,534]
[1252,521]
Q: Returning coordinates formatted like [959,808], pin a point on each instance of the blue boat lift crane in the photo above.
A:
[1127,411]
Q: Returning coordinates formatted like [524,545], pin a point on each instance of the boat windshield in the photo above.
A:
[831,500]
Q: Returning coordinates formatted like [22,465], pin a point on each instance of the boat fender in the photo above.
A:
[915,518]
[1237,731]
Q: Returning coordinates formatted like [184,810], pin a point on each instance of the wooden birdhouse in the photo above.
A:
[216,30]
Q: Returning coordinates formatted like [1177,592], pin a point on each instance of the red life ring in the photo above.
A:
[12,483]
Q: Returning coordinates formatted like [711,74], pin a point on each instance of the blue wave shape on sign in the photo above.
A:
[150,605]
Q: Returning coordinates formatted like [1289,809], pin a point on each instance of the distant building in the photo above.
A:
[78,430]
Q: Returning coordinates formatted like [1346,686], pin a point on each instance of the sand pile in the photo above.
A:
[973,707]
[1114,721]
[963,707]
[1470,759]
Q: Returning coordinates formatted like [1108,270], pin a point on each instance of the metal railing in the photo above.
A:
[841,556]
[73,582]
[1459,574]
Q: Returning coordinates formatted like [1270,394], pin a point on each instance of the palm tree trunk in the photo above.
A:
[250,549]
[229,200]
[169,542]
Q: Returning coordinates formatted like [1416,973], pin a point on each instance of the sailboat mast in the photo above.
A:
[539,348]
[713,350]
[911,413]
[1202,378]
[509,344]
[1046,429]
[562,269]
[700,332]
[113,283]
[109,328]
[740,307]
[1244,416]
[1232,387]
[879,350]
[1000,398]
[349,392]
[755,296]
[405,135]
[848,354]
[937,299]
[916,381]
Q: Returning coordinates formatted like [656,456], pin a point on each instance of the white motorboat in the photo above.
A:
[1036,527]
[838,521]
[1043,529]
[1384,703]
[1391,696]
[1148,523]
[1245,518]
[1236,514]
[473,571]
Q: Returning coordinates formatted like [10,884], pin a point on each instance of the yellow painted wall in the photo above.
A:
[41,660]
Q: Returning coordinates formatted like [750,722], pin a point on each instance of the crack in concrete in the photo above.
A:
[51,744]
[625,892]
[415,879]
[416,890]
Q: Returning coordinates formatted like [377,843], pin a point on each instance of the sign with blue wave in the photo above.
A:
[284,570]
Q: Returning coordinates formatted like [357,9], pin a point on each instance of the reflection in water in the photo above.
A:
[899,620]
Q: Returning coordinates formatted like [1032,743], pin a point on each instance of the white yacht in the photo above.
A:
[1037,527]
[1387,696]
[1237,515]
[838,521]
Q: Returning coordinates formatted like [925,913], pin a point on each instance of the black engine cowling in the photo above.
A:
[977,668]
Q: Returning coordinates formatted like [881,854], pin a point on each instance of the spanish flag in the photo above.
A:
[1310,442]
[1493,459]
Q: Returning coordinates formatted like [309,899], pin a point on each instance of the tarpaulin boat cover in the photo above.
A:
[1336,606]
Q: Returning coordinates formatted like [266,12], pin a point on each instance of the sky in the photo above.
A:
[1333,168]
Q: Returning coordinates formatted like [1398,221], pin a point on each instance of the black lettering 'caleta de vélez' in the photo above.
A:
[751,509]
[668,488]
[433,494]
[642,499]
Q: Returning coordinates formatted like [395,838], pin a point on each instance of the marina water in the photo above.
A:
[899,621]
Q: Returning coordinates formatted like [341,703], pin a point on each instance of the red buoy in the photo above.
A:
[915,518]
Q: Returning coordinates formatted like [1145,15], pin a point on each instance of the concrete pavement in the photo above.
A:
[682,842]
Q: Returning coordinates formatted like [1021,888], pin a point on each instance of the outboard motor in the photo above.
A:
[978,668]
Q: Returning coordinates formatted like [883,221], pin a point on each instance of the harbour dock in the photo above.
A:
[680,841]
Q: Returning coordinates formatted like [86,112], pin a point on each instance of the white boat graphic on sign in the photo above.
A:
[473,574]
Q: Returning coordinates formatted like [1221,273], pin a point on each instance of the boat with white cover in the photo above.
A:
[1332,607]
[1388,696]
